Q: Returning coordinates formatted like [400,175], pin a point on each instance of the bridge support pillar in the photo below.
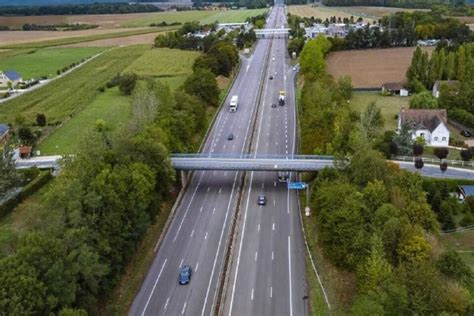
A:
[184,178]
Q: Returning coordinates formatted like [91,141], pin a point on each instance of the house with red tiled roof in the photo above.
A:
[432,125]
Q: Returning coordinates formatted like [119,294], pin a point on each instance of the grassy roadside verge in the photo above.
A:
[81,39]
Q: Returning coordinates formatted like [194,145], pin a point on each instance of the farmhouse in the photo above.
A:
[4,133]
[9,77]
[439,83]
[394,88]
[431,125]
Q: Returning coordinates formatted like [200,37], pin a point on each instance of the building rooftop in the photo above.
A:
[425,118]
[467,190]
[3,129]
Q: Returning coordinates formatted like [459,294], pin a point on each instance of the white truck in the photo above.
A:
[281,97]
[234,103]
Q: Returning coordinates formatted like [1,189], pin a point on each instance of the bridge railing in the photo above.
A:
[454,163]
[252,156]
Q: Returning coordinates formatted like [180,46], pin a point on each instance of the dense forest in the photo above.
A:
[70,9]
[421,4]
[375,222]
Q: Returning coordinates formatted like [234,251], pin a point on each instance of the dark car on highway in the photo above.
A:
[230,137]
[261,200]
[185,275]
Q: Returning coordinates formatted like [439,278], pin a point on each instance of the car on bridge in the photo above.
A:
[262,200]
[185,275]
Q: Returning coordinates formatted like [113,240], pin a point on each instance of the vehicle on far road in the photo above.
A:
[271,77]
[261,200]
[230,137]
[466,133]
[234,103]
[185,275]
[274,105]
[283,176]
[281,98]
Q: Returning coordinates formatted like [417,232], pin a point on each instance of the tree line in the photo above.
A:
[455,64]
[374,221]
[100,206]
[78,9]
[421,4]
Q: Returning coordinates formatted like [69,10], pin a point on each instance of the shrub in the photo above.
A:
[41,119]
[419,163]
[466,154]
[417,149]
[127,83]
[441,152]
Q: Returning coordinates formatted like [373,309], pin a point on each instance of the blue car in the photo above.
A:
[185,275]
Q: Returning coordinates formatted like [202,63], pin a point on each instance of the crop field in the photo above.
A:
[67,96]
[145,39]
[374,12]
[373,67]
[110,106]
[45,62]
[318,12]
[36,39]
[163,62]
[204,17]
[388,105]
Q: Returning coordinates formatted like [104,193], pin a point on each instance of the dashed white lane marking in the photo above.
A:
[251,295]
[223,147]
[184,308]
[273,227]
[200,210]
[220,190]
[271,292]
[274,202]
[258,227]
[181,263]
[225,172]
[166,304]
[208,189]
[205,237]
[197,267]
[213,210]
[213,173]
[289,271]
[274,184]
[273,255]
[263,185]
[256,255]
[154,286]
[287,152]
[276,143]
[192,233]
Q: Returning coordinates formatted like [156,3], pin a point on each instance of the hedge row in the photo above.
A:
[462,116]
[32,187]
[452,183]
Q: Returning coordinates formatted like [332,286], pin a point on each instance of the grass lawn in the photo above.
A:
[45,62]
[67,96]
[320,12]
[454,154]
[390,106]
[110,106]
[205,17]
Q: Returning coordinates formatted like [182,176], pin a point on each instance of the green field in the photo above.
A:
[390,106]
[164,62]
[110,106]
[70,94]
[205,17]
[45,62]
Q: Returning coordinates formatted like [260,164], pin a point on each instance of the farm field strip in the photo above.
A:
[372,67]
[69,95]
[145,39]
[374,12]
[42,40]
[318,12]
[45,62]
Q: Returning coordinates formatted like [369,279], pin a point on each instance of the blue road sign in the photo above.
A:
[296,185]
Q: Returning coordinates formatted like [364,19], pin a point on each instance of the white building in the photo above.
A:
[432,125]
[9,77]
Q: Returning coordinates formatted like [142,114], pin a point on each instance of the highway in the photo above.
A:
[198,233]
[267,270]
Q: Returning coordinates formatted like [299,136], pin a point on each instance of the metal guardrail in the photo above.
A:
[459,163]
[252,156]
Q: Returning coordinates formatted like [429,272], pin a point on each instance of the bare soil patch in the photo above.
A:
[17,37]
[119,41]
[371,68]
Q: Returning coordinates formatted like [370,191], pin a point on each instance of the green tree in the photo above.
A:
[345,87]
[375,269]
[371,122]
[26,136]
[423,100]
[414,248]
[127,83]
[41,119]
[9,177]
[403,139]
[367,165]
[202,83]
[461,63]
[452,266]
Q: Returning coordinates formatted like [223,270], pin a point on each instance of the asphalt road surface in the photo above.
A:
[267,275]
[198,233]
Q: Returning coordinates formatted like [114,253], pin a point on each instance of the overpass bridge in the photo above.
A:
[269,33]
